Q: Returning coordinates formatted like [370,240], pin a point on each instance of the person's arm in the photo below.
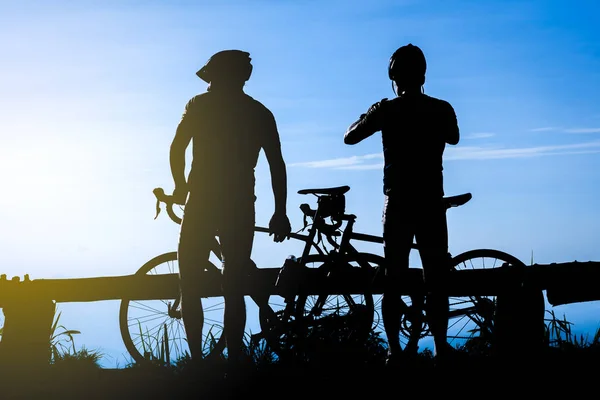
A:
[277,167]
[183,136]
[279,225]
[452,134]
[366,125]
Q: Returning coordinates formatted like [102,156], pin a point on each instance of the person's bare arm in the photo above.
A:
[279,225]
[365,126]
[277,167]
[183,136]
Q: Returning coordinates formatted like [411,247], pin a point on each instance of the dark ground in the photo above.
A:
[574,375]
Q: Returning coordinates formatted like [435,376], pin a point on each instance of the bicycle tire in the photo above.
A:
[213,339]
[287,335]
[471,318]
[366,297]
[144,345]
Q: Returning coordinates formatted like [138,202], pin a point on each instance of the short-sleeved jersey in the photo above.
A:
[414,132]
[228,131]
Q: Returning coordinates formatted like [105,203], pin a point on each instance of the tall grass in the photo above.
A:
[62,346]
[331,343]
[558,335]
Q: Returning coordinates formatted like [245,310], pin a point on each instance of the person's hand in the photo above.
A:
[180,194]
[279,227]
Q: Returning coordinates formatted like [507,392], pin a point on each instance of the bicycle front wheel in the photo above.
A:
[471,318]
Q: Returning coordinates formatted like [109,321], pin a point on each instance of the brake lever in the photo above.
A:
[157,208]
[158,193]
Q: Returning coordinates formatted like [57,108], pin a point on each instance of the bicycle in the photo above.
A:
[330,282]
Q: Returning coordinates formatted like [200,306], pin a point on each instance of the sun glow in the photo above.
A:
[43,174]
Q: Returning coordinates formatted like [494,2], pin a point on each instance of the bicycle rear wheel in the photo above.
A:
[471,318]
[153,330]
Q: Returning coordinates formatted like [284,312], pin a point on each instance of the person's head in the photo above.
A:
[407,68]
[227,68]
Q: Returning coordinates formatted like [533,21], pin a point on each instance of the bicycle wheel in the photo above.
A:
[344,314]
[471,318]
[319,308]
[146,325]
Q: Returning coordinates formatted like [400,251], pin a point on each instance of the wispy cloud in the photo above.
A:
[566,130]
[375,160]
[492,153]
[583,130]
[354,162]
[479,135]
[544,129]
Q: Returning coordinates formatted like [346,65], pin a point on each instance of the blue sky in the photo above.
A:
[91,93]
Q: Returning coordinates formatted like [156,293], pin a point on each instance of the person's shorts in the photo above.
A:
[423,223]
[232,222]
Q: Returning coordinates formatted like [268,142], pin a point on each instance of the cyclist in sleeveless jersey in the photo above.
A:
[227,129]
[415,129]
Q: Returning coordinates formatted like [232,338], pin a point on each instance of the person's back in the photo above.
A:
[230,129]
[414,131]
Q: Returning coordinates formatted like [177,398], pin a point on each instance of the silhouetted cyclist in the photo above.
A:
[415,128]
[228,129]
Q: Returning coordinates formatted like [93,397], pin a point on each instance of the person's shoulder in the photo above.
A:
[255,102]
[199,98]
[438,102]
[259,107]
[196,102]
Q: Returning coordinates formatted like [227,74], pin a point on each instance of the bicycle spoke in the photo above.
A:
[146,307]
[147,319]
[471,318]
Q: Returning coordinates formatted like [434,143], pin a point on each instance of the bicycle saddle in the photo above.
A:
[327,191]
[458,200]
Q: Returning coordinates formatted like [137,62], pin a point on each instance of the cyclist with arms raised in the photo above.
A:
[228,129]
[415,128]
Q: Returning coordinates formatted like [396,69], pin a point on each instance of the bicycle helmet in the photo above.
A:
[407,63]
[227,65]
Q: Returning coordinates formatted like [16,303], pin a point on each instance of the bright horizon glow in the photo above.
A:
[91,93]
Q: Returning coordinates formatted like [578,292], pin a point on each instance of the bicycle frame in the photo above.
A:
[320,226]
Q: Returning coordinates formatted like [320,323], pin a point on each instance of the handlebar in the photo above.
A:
[162,197]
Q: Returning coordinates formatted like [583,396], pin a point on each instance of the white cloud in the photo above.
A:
[583,130]
[354,162]
[544,129]
[490,153]
[479,135]
[569,130]
[375,161]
